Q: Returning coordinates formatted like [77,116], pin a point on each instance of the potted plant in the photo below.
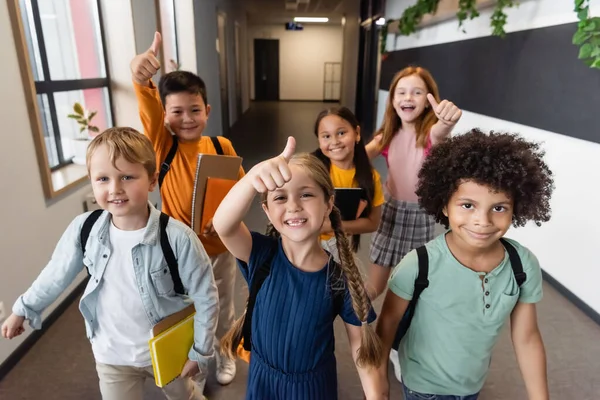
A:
[86,132]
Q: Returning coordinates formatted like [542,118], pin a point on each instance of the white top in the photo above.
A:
[123,327]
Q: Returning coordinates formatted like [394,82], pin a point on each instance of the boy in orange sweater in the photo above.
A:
[176,114]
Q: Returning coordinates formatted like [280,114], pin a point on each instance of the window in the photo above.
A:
[63,62]
[167,26]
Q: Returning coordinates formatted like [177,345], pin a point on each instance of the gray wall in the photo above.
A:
[350,55]
[205,16]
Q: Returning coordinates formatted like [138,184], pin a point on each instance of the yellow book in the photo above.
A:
[169,350]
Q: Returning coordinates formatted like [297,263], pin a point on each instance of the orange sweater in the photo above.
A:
[178,186]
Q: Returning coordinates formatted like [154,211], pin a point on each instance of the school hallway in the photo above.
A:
[61,366]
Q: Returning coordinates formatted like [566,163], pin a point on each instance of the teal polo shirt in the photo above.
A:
[448,348]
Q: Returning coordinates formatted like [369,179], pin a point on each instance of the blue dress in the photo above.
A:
[293,342]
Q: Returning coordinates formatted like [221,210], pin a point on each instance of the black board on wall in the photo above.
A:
[529,77]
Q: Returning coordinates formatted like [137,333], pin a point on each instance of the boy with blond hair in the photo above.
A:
[130,289]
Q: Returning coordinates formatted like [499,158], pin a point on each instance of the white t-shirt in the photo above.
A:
[123,327]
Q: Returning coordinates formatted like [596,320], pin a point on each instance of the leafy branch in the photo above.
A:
[467,9]
[84,119]
[587,35]
[499,17]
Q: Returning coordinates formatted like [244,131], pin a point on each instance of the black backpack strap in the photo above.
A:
[421,283]
[261,273]
[515,262]
[87,228]
[168,254]
[217,144]
[166,165]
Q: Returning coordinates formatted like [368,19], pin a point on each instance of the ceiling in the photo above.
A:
[282,11]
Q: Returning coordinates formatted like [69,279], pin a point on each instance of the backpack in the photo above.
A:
[261,273]
[166,165]
[421,283]
[164,244]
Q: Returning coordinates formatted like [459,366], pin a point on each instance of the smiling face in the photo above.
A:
[478,216]
[337,139]
[298,209]
[410,98]
[187,115]
[121,189]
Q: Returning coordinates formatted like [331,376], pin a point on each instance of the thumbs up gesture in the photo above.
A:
[144,66]
[275,172]
[445,110]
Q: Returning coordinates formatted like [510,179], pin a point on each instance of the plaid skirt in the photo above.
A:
[404,226]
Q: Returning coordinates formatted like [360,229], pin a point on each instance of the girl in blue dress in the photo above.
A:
[292,321]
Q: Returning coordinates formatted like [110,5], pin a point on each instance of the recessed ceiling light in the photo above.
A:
[311,19]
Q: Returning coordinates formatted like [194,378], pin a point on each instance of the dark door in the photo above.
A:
[266,69]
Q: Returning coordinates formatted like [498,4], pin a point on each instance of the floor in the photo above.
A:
[61,365]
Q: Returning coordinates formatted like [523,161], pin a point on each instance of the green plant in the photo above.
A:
[84,119]
[466,9]
[499,17]
[412,16]
[587,35]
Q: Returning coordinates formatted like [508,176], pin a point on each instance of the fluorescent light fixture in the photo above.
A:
[380,21]
[311,19]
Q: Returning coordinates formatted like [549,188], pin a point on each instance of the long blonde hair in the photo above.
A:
[370,352]
[391,120]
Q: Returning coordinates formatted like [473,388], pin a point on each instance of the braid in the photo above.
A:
[370,352]
[272,232]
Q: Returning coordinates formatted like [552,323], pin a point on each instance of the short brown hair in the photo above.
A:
[127,143]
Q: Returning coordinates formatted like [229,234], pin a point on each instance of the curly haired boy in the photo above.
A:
[477,185]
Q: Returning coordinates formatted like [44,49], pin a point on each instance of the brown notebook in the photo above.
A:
[213,166]
[172,319]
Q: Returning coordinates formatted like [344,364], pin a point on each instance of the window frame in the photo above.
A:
[49,87]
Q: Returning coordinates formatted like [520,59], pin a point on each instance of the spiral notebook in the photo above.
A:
[215,175]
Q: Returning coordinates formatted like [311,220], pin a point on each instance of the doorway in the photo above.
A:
[266,69]
[221,38]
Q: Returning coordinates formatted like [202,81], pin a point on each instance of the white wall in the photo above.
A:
[205,18]
[302,57]
[30,227]
[186,39]
[31,230]
[565,246]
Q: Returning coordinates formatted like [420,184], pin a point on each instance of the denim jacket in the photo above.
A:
[155,284]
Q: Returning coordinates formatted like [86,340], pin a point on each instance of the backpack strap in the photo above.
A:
[87,228]
[168,254]
[166,165]
[261,273]
[515,261]
[421,283]
[217,144]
